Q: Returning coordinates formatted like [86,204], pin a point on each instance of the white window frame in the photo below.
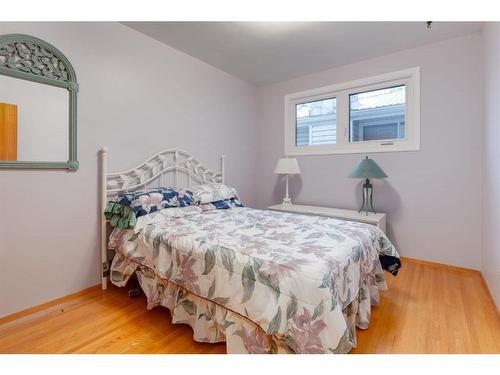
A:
[409,77]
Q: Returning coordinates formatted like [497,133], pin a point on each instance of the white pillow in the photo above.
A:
[212,193]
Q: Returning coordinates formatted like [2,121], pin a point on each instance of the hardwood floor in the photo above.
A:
[429,308]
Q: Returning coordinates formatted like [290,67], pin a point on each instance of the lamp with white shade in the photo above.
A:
[287,166]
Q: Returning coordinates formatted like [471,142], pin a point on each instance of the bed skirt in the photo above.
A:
[212,322]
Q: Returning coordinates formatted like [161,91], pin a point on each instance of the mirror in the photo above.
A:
[33,121]
[37,105]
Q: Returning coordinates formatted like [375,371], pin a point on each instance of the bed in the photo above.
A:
[261,281]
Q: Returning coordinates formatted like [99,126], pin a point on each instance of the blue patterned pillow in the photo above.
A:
[145,202]
[222,204]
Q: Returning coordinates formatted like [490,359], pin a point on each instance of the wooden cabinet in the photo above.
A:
[8,131]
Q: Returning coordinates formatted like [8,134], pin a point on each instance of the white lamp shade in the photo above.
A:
[287,166]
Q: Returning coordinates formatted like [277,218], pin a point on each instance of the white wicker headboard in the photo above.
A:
[170,168]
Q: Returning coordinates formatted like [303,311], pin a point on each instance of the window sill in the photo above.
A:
[363,148]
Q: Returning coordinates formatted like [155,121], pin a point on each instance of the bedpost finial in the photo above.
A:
[103,151]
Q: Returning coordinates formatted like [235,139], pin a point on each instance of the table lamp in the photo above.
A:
[367,169]
[287,166]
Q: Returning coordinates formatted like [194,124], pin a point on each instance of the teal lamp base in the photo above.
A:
[367,169]
[367,204]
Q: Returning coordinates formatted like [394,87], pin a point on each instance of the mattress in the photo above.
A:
[262,281]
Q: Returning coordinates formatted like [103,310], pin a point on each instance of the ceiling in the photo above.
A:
[268,52]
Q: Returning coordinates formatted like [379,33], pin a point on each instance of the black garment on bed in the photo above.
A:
[390,264]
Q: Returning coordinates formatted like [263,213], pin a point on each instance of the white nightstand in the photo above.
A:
[378,219]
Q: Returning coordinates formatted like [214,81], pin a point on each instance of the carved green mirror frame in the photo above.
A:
[32,59]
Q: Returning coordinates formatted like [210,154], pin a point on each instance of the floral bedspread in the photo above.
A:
[292,275]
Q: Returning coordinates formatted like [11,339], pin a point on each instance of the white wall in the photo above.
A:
[491,160]
[433,196]
[137,97]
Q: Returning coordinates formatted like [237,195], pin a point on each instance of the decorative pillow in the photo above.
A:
[221,205]
[212,193]
[126,208]
[119,215]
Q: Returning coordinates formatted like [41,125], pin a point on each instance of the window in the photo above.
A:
[316,122]
[376,114]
